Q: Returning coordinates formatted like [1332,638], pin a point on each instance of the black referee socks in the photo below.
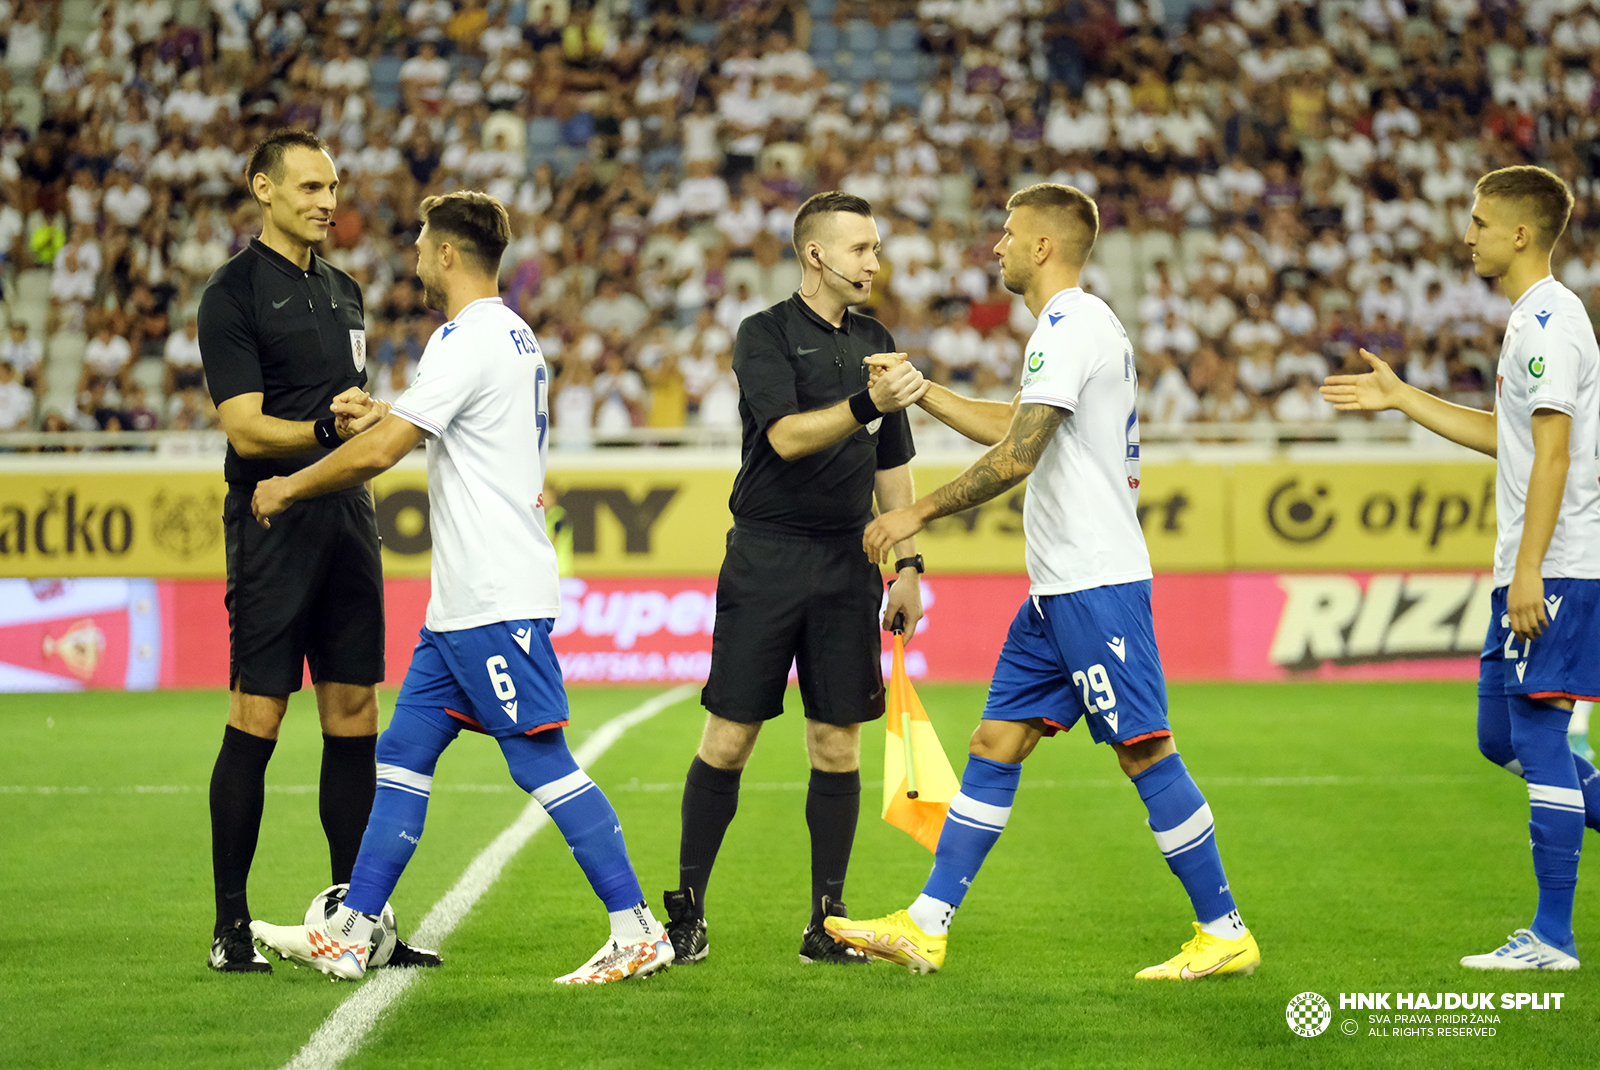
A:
[710,799]
[238,786]
[344,797]
[833,803]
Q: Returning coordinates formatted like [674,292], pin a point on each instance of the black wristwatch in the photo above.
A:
[909,562]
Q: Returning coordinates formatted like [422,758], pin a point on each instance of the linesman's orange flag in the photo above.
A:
[918,782]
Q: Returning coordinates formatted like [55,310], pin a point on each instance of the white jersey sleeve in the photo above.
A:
[447,378]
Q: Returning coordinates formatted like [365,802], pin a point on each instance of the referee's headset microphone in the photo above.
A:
[817,257]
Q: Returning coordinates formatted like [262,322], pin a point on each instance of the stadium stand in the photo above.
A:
[653,153]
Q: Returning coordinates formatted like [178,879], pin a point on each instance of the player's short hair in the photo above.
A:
[806,220]
[267,157]
[476,224]
[1540,193]
[1065,204]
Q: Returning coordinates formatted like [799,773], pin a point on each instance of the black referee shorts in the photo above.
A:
[307,590]
[810,602]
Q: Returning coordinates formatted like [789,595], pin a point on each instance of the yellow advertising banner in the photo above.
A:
[112,522]
[1390,515]
[665,521]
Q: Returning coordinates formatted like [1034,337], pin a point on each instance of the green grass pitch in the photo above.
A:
[1368,843]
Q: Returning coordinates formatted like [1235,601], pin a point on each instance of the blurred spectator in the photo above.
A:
[25,355]
[16,400]
[181,356]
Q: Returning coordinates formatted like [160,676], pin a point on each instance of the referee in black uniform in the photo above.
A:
[283,341]
[818,443]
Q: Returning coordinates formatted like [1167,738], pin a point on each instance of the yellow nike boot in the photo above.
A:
[895,939]
[1207,956]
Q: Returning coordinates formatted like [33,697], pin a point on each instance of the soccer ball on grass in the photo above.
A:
[384,934]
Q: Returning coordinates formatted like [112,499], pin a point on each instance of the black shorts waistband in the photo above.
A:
[788,534]
[248,490]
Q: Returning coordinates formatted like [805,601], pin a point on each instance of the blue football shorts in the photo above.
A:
[501,679]
[1564,662]
[1088,653]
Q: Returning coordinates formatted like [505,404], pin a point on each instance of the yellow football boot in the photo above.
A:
[894,939]
[1207,956]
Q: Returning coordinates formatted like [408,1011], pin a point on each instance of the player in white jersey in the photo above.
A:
[1544,629]
[484,660]
[1082,647]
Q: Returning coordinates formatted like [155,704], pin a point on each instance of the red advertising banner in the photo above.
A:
[141,633]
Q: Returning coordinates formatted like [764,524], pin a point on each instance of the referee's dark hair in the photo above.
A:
[267,157]
[1068,204]
[474,223]
[805,220]
[1541,193]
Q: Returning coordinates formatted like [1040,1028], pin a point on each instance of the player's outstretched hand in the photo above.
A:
[1370,391]
[898,387]
[881,535]
[1525,605]
[271,498]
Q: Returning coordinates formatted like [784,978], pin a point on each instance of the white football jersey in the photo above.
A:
[482,395]
[1080,515]
[1549,361]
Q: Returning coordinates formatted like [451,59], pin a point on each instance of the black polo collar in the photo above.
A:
[811,313]
[283,263]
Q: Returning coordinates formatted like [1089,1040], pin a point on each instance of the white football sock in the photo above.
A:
[1229,927]
[352,927]
[634,924]
[931,915]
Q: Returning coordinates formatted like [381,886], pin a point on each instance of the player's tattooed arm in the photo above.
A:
[1004,466]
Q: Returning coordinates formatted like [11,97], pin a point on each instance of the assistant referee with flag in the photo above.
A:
[819,442]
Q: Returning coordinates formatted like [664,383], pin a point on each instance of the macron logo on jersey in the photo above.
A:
[511,710]
[1553,604]
[1111,719]
[448,328]
[1542,316]
[523,636]
[1119,647]
[1056,317]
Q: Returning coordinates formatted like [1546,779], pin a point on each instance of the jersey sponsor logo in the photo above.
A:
[1035,362]
[1553,604]
[1056,317]
[358,349]
[1542,316]
[523,636]
[280,304]
[1536,367]
[1119,647]
[804,352]
[448,328]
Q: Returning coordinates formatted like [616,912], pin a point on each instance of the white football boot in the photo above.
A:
[1522,951]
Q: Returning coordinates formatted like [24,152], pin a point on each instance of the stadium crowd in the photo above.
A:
[1279,183]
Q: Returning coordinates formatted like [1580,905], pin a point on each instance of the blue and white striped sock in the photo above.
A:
[543,766]
[977,816]
[1180,817]
[1556,808]
[406,755]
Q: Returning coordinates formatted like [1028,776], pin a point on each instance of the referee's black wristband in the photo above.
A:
[862,408]
[327,434]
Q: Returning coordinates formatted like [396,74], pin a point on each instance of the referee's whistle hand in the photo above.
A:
[354,411]
[271,498]
[898,387]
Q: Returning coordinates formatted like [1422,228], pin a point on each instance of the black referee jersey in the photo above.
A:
[789,360]
[296,337]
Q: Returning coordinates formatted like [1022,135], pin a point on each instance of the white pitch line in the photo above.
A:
[339,1037]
